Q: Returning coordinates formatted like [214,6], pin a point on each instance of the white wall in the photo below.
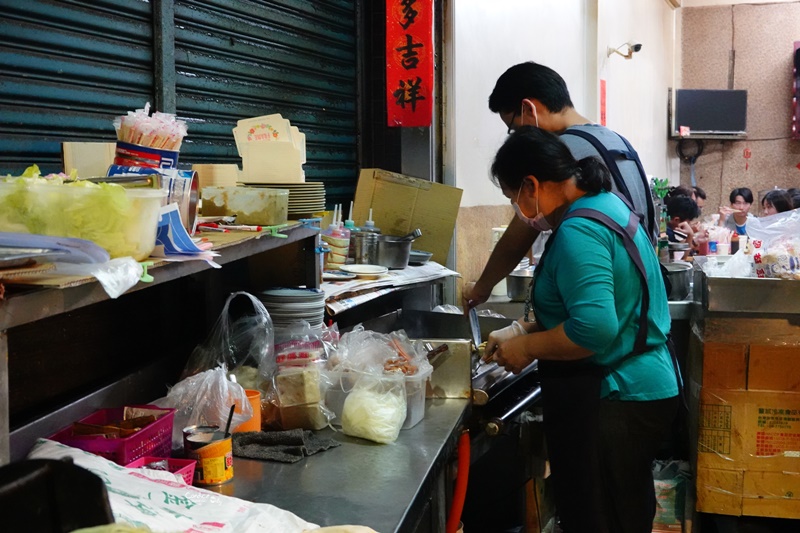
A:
[572,37]
[488,38]
[700,3]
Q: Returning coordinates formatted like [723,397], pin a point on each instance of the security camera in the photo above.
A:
[636,47]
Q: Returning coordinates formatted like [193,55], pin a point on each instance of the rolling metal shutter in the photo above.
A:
[236,59]
[67,68]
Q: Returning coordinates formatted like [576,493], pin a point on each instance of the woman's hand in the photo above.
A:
[499,336]
[513,354]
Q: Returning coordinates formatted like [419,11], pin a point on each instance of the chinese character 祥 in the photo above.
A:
[408,93]
[410,54]
[409,13]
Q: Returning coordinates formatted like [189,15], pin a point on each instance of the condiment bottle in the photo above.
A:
[350,225]
[338,240]
[369,225]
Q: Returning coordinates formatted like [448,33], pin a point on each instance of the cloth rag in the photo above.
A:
[284,446]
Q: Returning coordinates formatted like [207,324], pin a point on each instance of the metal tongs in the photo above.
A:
[475,330]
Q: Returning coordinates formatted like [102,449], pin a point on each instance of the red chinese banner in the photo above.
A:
[409,62]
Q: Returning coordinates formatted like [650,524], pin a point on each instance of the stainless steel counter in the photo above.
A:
[383,486]
[500,304]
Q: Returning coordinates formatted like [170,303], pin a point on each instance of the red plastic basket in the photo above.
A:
[152,440]
[182,467]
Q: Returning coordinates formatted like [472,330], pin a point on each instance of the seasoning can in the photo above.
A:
[365,248]
[213,452]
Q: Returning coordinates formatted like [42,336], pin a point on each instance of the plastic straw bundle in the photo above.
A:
[161,130]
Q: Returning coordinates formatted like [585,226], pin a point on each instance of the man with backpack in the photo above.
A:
[535,95]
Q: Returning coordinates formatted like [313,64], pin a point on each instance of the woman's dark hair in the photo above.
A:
[795,195]
[744,192]
[529,80]
[531,151]
[779,199]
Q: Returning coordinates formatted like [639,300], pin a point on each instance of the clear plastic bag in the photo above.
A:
[376,408]
[205,399]
[240,344]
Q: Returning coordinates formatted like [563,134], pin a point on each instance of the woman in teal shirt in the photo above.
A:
[607,406]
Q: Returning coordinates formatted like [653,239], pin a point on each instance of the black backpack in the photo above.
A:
[610,158]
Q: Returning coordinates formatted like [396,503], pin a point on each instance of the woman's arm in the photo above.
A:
[553,344]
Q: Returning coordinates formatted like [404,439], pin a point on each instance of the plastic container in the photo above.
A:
[251,205]
[338,241]
[415,397]
[369,225]
[182,467]
[153,440]
[119,219]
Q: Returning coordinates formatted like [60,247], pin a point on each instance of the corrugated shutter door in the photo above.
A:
[237,59]
[66,70]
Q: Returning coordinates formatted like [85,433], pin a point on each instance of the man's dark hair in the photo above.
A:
[682,207]
[744,192]
[529,80]
[679,190]
[700,193]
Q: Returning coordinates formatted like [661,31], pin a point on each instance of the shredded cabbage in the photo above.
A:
[105,213]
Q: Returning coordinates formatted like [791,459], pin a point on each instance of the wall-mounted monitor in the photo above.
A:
[710,113]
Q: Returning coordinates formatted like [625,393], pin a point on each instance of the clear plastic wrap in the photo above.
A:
[240,344]
[376,408]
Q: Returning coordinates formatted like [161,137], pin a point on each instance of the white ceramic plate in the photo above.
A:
[365,271]
[334,275]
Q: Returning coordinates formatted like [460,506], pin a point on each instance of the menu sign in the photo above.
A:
[409,62]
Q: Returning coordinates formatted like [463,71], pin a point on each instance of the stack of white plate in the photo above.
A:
[304,198]
[287,305]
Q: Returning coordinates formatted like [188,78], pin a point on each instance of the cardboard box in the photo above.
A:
[752,430]
[748,493]
[401,203]
[775,368]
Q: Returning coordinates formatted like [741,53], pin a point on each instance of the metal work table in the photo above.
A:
[388,487]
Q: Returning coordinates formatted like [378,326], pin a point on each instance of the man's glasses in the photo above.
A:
[511,123]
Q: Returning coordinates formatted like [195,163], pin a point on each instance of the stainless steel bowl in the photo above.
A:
[679,275]
[518,284]
[393,252]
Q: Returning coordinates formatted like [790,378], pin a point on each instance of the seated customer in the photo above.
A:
[699,196]
[735,217]
[681,210]
[775,201]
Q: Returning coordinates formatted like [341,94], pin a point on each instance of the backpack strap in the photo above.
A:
[626,234]
[610,157]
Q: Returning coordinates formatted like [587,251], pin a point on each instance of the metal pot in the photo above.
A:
[393,252]
[679,275]
[518,284]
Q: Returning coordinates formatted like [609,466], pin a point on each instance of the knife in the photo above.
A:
[475,330]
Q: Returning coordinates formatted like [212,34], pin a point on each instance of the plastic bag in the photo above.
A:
[294,391]
[240,344]
[116,276]
[205,399]
[376,408]
[670,478]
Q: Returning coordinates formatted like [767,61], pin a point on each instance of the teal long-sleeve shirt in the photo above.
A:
[589,283]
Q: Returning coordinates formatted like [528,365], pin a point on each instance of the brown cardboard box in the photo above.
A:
[401,203]
[719,491]
[775,368]
[749,493]
[724,366]
[756,431]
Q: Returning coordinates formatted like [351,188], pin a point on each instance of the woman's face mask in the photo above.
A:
[538,222]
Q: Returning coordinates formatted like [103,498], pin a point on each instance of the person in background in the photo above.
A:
[794,193]
[699,196]
[735,217]
[776,201]
[681,211]
[606,407]
[533,94]
[678,190]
